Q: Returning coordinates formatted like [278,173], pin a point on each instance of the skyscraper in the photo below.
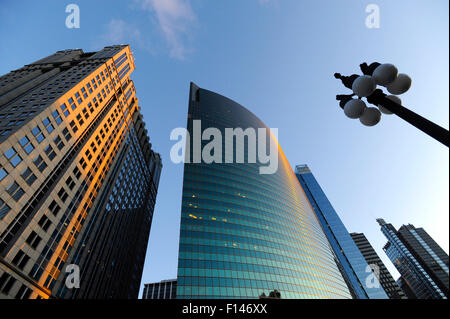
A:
[244,233]
[166,289]
[352,263]
[421,262]
[384,276]
[78,177]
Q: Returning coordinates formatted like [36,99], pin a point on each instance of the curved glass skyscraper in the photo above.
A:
[244,233]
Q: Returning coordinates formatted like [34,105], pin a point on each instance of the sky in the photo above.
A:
[277,58]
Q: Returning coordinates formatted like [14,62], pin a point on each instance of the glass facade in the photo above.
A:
[413,272]
[386,280]
[353,264]
[166,289]
[244,233]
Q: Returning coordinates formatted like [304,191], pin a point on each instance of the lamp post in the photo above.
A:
[385,75]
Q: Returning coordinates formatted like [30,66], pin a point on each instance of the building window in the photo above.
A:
[76,172]
[15,191]
[54,208]
[26,144]
[6,283]
[62,194]
[83,91]
[3,173]
[37,133]
[48,125]
[50,152]
[83,163]
[64,109]
[40,163]
[88,155]
[80,120]
[23,293]
[13,157]
[72,104]
[44,222]
[85,113]
[78,97]
[67,134]
[28,176]
[57,117]
[70,183]
[4,209]
[21,259]
[73,126]
[58,142]
[33,240]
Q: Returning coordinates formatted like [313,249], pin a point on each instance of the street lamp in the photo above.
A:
[385,75]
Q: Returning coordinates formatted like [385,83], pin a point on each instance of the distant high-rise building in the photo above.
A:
[244,233]
[408,292]
[352,263]
[422,263]
[384,276]
[166,289]
[78,178]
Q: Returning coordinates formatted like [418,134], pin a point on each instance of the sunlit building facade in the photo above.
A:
[78,177]
[244,233]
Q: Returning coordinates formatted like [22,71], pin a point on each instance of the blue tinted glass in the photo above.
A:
[36,130]
[16,160]
[10,153]
[40,138]
[3,173]
[24,141]
[29,148]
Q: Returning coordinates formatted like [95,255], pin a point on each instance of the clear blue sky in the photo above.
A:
[277,58]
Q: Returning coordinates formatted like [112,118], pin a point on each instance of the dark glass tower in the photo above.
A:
[244,233]
[353,264]
[385,278]
[422,263]
[78,177]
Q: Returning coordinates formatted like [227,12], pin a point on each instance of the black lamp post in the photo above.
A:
[365,86]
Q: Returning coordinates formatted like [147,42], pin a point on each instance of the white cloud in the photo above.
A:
[175,18]
[118,31]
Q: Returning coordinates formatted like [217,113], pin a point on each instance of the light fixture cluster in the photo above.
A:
[385,75]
